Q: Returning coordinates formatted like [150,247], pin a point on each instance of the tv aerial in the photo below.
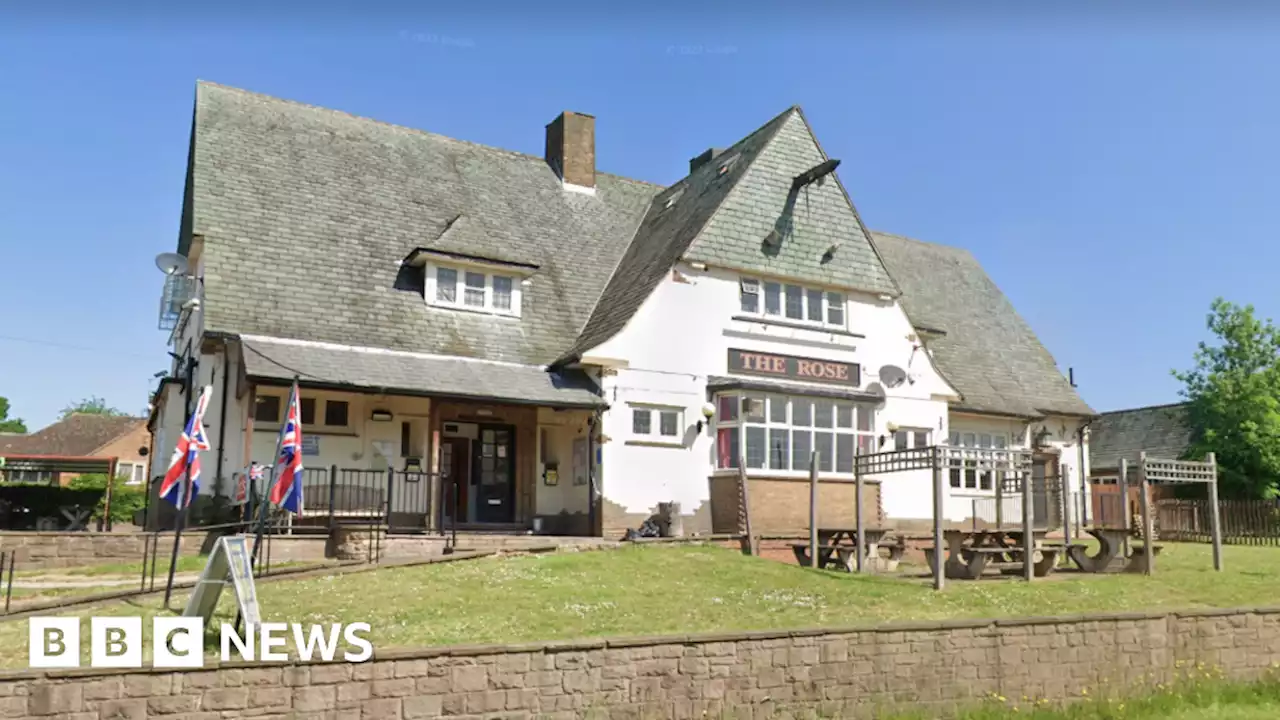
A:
[892,376]
[172,263]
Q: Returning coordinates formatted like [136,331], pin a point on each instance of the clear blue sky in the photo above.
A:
[1113,172]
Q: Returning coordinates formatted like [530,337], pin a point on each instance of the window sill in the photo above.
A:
[793,476]
[474,310]
[656,443]
[795,325]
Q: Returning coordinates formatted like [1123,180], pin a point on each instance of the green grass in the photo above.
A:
[687,589]
[1192,699]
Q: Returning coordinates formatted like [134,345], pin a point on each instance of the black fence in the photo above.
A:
[406,502]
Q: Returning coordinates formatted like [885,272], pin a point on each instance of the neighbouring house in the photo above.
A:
[78,437]
[568,349]
[1161,431]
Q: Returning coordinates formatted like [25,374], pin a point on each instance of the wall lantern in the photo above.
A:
[381,416]
[708,412]
[1041,438]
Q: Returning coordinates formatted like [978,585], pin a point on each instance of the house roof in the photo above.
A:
[1162,431]
[721,213]
[305,212]
[77,435]
[345,367]
[988,352]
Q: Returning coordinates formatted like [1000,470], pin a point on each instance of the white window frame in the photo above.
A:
[752,286]
[908,438]
[655,414]
[133,472]
[970,481]
[861,429]
[432,287]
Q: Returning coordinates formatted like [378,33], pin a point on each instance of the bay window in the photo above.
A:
[776,432]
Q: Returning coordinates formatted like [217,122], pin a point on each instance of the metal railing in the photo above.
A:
[405,502]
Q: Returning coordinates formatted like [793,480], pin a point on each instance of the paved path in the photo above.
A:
[56,582]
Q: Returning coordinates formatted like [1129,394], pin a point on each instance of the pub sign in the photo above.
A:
[789,367]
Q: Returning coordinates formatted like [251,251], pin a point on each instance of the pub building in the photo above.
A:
[559,350]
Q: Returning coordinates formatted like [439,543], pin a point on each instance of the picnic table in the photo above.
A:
[836,547]
[970,553]
[1111,542]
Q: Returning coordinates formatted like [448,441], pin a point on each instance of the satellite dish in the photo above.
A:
[171,263]
[892,376]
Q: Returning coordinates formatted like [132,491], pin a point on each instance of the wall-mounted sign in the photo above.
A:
[747,362]
[310,445]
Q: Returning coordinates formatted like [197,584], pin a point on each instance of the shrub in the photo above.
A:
[126,500]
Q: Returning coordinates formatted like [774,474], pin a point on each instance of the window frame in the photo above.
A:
[462,273]
[738,428]
[983,481]
[655,413]
[757,288]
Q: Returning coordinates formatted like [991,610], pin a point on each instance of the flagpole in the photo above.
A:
[274,475]
[181,521]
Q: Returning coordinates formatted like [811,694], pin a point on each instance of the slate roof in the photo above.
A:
[989,353]
[344,367]
[77,435]
[305,213]
[722,220]
[1163,431]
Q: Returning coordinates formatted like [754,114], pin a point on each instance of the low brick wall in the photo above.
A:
[853,672]
[47,550]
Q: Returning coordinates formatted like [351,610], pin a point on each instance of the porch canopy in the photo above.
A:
[360,369]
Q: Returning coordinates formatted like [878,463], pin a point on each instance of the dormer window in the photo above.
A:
[472,288]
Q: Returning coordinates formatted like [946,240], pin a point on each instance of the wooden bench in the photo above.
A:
[897,548]
[1137,560]
[978,560]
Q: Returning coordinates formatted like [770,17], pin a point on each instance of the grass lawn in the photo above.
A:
[683,589]
[1192,700]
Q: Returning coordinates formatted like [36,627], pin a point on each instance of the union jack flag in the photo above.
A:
[186,458]
[287,490]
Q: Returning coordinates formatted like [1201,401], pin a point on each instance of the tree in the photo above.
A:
[1233,392]
[91,406]
[7,424]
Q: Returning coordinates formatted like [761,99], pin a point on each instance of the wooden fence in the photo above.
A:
[1244,522]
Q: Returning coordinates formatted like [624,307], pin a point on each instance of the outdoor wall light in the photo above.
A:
[708,412]
[381,415]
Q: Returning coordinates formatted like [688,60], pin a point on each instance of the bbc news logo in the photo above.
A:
[178,642]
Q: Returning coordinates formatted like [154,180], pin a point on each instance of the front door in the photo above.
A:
[455,465]
[493,474]
[1042,490]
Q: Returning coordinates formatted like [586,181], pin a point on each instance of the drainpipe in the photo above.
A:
[222,417]
[1084,475]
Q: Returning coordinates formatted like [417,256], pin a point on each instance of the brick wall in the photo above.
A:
[781,505]
[845,673]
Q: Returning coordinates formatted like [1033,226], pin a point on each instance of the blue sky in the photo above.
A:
[1112,171]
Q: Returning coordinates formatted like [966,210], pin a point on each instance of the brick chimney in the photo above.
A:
[706,157]
[571,148]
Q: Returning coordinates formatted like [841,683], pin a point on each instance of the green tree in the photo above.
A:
[92,406]
[7,424]
[1233,391]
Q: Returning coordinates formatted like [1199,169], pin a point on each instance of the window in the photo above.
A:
[779,432]
[811,306]
[335,413]
[266,409]
[656,423]
[41,477]
[910,439]
[131,473]
[473,290]
[970,477]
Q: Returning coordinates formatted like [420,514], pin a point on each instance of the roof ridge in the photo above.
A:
[1146,407]
[899,236]
[418,131]
[774,124]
